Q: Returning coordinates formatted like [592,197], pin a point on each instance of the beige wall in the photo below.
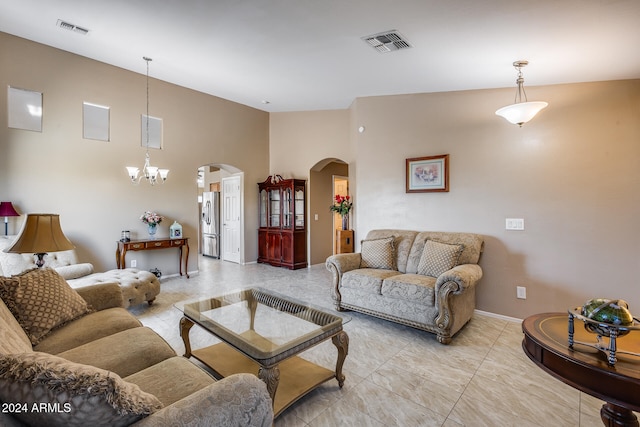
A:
[85,181]
[304,139]
[572,173]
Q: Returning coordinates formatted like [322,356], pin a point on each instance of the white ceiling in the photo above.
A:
[309,55]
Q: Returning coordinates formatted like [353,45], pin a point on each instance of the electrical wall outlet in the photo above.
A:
[134,263]
[521,292]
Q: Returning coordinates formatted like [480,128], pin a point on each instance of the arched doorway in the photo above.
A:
[321,225]
[220,208]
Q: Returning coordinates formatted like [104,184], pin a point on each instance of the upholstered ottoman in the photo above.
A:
[137,286]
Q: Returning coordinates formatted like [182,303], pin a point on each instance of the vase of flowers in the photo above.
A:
[342,205]
[152,220]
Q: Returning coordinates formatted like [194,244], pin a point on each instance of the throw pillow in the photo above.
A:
[53,391]
[378,253]
[438,257]
[41,300]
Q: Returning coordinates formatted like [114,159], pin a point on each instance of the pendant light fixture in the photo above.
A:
[150,173]
[521,112]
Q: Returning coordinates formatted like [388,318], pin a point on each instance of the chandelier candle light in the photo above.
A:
[521,112]
[150,173]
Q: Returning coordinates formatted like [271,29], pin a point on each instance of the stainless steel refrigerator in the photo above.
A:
[210,224]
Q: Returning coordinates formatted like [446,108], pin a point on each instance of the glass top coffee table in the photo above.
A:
[262,332]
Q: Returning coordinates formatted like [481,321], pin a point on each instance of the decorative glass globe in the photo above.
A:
[608,312]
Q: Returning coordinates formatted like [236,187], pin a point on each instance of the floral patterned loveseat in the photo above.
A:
[425,280]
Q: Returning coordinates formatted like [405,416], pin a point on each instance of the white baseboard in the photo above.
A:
[498,316]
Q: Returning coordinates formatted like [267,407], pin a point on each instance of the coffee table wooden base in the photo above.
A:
[297,376]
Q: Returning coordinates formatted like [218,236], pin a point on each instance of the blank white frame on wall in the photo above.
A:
[24,109]
[155,132]
[95,121]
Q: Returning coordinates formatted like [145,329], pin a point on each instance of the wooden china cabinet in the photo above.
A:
[282,236]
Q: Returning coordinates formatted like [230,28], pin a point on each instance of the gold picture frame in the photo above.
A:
[428,174]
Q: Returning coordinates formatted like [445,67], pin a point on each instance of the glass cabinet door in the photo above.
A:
[287,208]
[263,208]
[274,208]
[299,207]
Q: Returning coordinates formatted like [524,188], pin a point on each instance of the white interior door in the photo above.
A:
[231,218]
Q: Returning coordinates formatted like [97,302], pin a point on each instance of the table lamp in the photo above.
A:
[41,233]
[7,210]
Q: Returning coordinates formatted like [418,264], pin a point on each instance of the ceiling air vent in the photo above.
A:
[387,41]
[71,27]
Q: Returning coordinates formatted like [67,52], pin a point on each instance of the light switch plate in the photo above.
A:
[514,224]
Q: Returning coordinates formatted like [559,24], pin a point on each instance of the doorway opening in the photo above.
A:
[322,227]
[221,207]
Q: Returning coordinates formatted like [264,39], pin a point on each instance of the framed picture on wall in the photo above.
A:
[428,174]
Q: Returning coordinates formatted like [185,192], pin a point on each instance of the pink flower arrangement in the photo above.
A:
[151,218]
[342,205]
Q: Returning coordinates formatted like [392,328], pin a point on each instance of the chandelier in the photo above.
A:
[150,173]
[521,112]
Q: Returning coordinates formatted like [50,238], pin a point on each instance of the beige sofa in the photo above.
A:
[104,368]
[425,280]
[137,286]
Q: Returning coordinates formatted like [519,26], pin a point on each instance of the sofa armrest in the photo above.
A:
[462,276]
[102,295]
[238,400]
[341,263]
[338,265]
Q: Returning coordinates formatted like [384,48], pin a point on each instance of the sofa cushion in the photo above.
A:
[402,243]
[171,379]
[41,300]
[378,253]
[438,257]
[368,279]
[473,245]
[81,394]
[88,328]
[124,353]
[411,287]
[12,264]
[12,337]
[74,271]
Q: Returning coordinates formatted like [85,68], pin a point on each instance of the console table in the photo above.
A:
[152,244]
[585,368]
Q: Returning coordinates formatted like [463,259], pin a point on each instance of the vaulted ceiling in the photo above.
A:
[294,55]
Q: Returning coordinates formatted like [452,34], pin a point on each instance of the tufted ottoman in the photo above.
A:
[137,286]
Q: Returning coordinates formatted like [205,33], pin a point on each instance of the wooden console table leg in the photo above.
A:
[341,341]
[186,260]
[271,377]
[617,416]
[185,327]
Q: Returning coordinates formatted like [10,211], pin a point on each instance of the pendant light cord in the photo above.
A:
[147,59]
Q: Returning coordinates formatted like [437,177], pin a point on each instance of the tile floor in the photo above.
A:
[396,375]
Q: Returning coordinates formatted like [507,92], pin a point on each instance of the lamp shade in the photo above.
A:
[41,233]
[7,209]
[522,112]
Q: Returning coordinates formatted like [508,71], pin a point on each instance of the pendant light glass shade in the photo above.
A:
[520,111]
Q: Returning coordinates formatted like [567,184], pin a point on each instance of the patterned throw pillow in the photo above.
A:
[41,300]
[438,257]
[378,253]
[74,394]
